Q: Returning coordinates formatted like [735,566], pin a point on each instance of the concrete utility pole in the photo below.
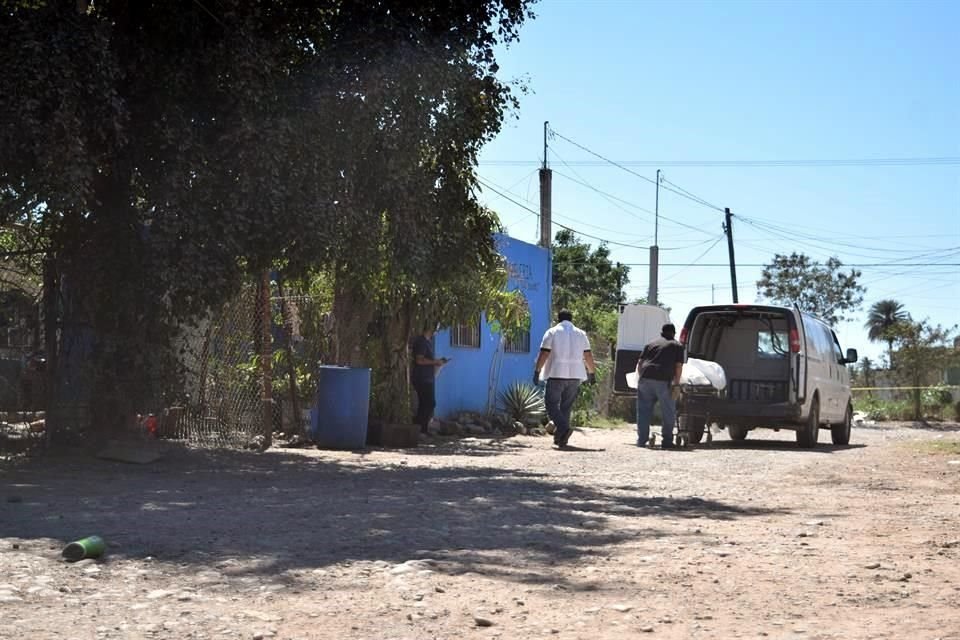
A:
[655,249]
[728,229]
[546,197]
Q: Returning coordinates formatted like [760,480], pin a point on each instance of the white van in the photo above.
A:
[784,369]
[637,325]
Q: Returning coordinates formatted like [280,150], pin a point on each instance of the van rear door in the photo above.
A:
[637,325]
[798,349]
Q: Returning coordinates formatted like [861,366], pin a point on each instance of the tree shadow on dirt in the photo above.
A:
[473,447]
[293,511]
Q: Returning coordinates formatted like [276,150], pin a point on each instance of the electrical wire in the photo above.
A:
[850,162]
[611,196]
[695,260]
[632,172]
[695,197]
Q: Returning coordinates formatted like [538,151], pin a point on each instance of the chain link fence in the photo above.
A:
[249,371]
[243,373]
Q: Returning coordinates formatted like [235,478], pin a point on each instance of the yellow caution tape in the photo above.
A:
[940,386]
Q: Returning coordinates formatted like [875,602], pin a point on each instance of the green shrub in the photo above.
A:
[883,410]
[585,408]
[521,402]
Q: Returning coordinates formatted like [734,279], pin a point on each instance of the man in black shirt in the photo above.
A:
[422,376]
[660,365]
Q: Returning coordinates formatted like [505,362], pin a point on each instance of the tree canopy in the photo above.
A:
[923,352]
[884,315]
[588,283]
[166,152]
[822,289]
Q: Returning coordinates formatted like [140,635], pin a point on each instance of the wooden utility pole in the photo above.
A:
[546,196]
[728,229]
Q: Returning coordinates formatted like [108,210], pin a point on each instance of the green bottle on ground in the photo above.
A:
[89,547]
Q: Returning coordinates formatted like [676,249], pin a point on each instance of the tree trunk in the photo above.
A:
[352,312]
[105,280]
[266,359]
[917,402]
[392,379]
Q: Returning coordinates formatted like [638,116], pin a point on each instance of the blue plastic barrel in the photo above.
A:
[339,416]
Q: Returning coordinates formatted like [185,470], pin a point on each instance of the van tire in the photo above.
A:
[840,433]
[807,434]
[693,427]
[737,433]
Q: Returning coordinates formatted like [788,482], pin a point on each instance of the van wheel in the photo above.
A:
[693,427]
[808,434]
[737,433]
[840,433]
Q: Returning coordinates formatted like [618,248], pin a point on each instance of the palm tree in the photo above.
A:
[883,315]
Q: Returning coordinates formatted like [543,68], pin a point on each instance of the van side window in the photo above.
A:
[815,343]
[837,351]
[825,342]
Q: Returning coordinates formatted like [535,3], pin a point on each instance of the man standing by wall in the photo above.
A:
[423,375]
[660,365]
[565,360]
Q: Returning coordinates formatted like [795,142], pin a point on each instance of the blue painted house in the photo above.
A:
[482,361]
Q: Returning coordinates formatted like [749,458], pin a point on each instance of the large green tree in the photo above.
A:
[164,152]
[883,315]
[588,282]
[823,289]
[923,352]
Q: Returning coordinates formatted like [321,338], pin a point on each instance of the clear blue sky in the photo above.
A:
[723,81]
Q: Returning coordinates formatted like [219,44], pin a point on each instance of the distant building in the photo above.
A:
[482,360]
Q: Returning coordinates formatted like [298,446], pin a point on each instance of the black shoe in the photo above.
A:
[668,445]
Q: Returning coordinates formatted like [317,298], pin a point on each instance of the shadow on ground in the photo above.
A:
[777,445]
[301,510]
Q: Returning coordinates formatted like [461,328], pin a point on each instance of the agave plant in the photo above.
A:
[522,403]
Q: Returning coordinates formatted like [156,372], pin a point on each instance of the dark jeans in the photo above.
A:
[426,403]
[560,396]
[650,392]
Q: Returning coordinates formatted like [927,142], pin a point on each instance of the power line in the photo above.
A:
[610,198]
[814,163]
[757,264]
[894,263]
[693,196]
[499,190]
[794,233]
[608,195]
[824,244]
[698,258]
[632,172]
[562,226]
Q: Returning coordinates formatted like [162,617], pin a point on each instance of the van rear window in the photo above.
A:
[772,344]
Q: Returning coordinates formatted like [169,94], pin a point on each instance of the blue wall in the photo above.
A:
[473,377]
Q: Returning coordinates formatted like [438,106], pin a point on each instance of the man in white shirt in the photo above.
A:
[565,361]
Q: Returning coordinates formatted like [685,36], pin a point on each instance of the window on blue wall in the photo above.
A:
[517,342]
[466,335]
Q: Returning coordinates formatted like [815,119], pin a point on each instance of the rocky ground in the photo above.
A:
[495,538]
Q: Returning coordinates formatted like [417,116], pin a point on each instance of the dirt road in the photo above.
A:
[496,539]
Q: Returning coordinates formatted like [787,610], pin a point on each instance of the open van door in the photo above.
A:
[637,325]
[799,353]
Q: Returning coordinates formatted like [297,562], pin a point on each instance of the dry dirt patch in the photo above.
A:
[495,539]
